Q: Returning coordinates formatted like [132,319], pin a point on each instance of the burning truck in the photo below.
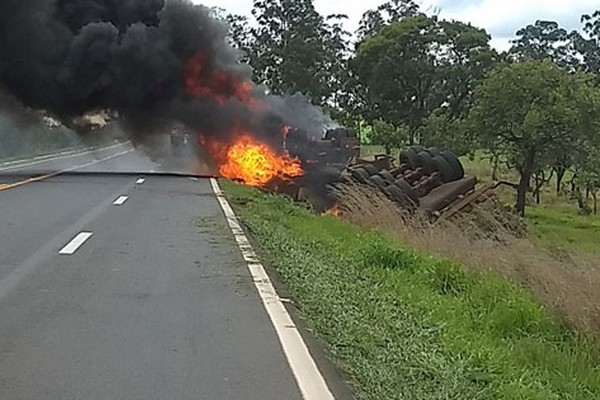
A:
[163,62]
[158,64]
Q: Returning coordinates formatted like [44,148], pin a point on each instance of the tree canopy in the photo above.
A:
[529,111]
[418,65]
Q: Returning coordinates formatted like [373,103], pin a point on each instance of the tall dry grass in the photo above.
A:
[484,239]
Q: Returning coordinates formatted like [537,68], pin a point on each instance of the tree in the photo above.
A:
[586,160]
[398,71]
[589,179]
[546,40]
[337,44]
[439,130]
[571,51]
[590,48]
[295,49]
[373,21]
[418,65]
[563,161]
[529,110]
[240,35]
[388,135]
[465,58]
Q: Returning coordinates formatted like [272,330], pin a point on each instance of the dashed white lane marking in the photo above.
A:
[311,383]
[76,243]
[120,201]
[140,181]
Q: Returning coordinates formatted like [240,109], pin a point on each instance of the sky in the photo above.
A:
[501,18]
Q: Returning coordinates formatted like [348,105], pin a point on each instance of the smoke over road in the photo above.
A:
[152,61]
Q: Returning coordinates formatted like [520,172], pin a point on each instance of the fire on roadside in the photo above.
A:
[243,158]
[335,211]
[252,163]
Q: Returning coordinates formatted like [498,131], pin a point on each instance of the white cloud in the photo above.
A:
[510,15]
[354,9]
[501,18]
[242,7]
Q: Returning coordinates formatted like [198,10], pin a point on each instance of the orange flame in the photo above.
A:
[244,159]
[335,211]
[255,164]
[217,85]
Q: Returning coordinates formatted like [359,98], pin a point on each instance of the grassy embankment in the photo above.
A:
[405,325]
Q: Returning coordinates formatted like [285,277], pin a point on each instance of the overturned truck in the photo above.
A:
[428,179]
[425,182]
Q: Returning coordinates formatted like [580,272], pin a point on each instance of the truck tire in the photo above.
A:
[371,169]
[410,192]
[410,158]
[444,168]
[459,171]
[387,176]
[399,196]
[378,181]
[417,148]
[361,175]
[426,162]
[433,151]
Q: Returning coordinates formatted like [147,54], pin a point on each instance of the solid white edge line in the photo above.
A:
[121,200]
[76,243]
[310,381]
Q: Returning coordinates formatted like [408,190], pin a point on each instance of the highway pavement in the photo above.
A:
[129,286]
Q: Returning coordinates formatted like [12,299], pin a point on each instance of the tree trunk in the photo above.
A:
[539,182]
[522,192]
[412,132]
[524,183]
[595,195]
[560,174]
[580,201]
[495,162]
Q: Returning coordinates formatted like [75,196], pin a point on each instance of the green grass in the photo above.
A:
[370,149]
[405,325]
[559,226]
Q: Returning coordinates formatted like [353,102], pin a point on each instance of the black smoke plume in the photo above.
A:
[131,56]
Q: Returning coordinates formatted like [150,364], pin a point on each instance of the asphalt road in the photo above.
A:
[151,299]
